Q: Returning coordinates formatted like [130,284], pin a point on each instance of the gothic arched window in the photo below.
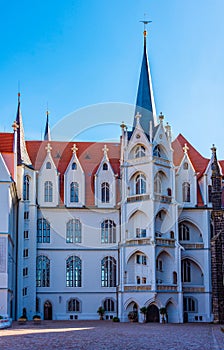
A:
[43,231]
[74,192]
[108,232]
[74,231]
[140,151]
[26,188]
[48,191]
[105,192]
[140,184]
[73,272]
[43,271]
[108,272]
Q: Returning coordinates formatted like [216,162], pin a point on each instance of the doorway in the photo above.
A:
[47,310]
[152,314]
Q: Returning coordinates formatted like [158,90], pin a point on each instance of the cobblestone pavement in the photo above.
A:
[97,335]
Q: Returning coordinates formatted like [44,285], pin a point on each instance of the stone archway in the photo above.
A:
[152,314]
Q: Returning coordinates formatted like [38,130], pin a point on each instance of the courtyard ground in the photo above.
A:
[97,335]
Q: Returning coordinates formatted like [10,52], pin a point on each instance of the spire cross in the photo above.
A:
[105,150]
[48,148]
[185,148]
[74,148]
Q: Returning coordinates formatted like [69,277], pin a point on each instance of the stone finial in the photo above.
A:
[185,148]
[105,150]
[15,126]
[123,126]
[161,117]
[138,116]
[213,149]
[74,149]
[48,148]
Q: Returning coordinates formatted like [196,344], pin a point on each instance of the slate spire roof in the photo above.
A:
[145,104]
[47,134]
[22,154]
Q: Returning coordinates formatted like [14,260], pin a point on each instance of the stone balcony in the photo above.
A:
[163,199]
[162,241]
[138,241]
[137,288]
[192,245]
[137,198]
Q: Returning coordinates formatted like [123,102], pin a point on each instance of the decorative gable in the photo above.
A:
[48,182]
[74,184]
[186,181]
[105,183]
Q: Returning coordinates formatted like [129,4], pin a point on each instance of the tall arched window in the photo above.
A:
[157,151]
[190,304]
[108,272]
[26,188]
[74,192]
[186,189]
[43,271]
[140,184]
[73,272]
[74,231]
[48,191]
[43,231]
[108,305]
[108,232]
[186,271]
[158,184]
[184,232]
[74,305]
[105,192]
[139,151]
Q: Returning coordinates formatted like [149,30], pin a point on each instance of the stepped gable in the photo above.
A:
[89,155]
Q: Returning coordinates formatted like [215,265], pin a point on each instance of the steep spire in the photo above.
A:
[47,134]
[22,154]
[145,104]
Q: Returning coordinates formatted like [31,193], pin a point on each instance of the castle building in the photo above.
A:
[137,223]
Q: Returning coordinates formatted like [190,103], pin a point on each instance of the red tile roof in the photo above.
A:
[89,154]
[6,149]
[6,142]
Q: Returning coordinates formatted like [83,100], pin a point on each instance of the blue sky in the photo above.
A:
[73,54]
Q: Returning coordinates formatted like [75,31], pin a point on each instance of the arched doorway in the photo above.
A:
[152,314]
[47,310]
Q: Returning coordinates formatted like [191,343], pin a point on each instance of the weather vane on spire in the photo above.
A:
[145,22]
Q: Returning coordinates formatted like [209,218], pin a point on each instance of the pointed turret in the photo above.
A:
[216,182]
[22,154]
[47,134]
[145,104]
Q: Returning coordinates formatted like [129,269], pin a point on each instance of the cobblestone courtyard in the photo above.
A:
[94,335]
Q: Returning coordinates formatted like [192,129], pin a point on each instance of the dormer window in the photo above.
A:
[140,151]
[185,166]
[48,165]
[74,166]
[105,166]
